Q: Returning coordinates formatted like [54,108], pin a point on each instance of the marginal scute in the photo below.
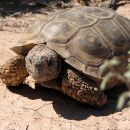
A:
[94,73]
[76,63]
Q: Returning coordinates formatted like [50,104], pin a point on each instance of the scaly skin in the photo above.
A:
[82,89]
[13,72]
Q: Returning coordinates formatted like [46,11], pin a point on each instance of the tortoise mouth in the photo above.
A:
[42,75]
[42,79]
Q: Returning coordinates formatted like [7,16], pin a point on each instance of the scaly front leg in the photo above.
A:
[13,72]
[82,89]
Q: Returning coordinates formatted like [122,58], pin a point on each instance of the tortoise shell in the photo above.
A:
[83,36]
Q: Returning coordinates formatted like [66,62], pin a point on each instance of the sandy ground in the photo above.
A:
[32,107]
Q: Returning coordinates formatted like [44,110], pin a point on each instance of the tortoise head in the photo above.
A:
[43,64]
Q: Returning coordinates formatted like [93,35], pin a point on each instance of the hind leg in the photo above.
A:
[13,72]
[82,89]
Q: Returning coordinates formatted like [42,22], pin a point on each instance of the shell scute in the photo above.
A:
[59,31]
[98,13]
[77,18]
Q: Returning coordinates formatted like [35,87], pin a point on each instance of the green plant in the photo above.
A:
[111,65]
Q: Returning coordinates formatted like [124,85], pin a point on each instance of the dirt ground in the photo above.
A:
[32,107]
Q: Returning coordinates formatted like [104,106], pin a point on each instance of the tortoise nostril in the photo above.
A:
[38,65]
[30,61]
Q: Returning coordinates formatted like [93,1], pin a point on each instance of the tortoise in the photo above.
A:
[67,50]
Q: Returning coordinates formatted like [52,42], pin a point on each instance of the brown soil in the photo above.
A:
[33,107]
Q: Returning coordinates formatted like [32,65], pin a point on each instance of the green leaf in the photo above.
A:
[129,52]
[108,65]
[128,103]
[128,66]
[104,67]
[114,62]
[122,99]
[127,75]
[106,80]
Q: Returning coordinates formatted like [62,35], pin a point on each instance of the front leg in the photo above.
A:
[13,72]
[82,89]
